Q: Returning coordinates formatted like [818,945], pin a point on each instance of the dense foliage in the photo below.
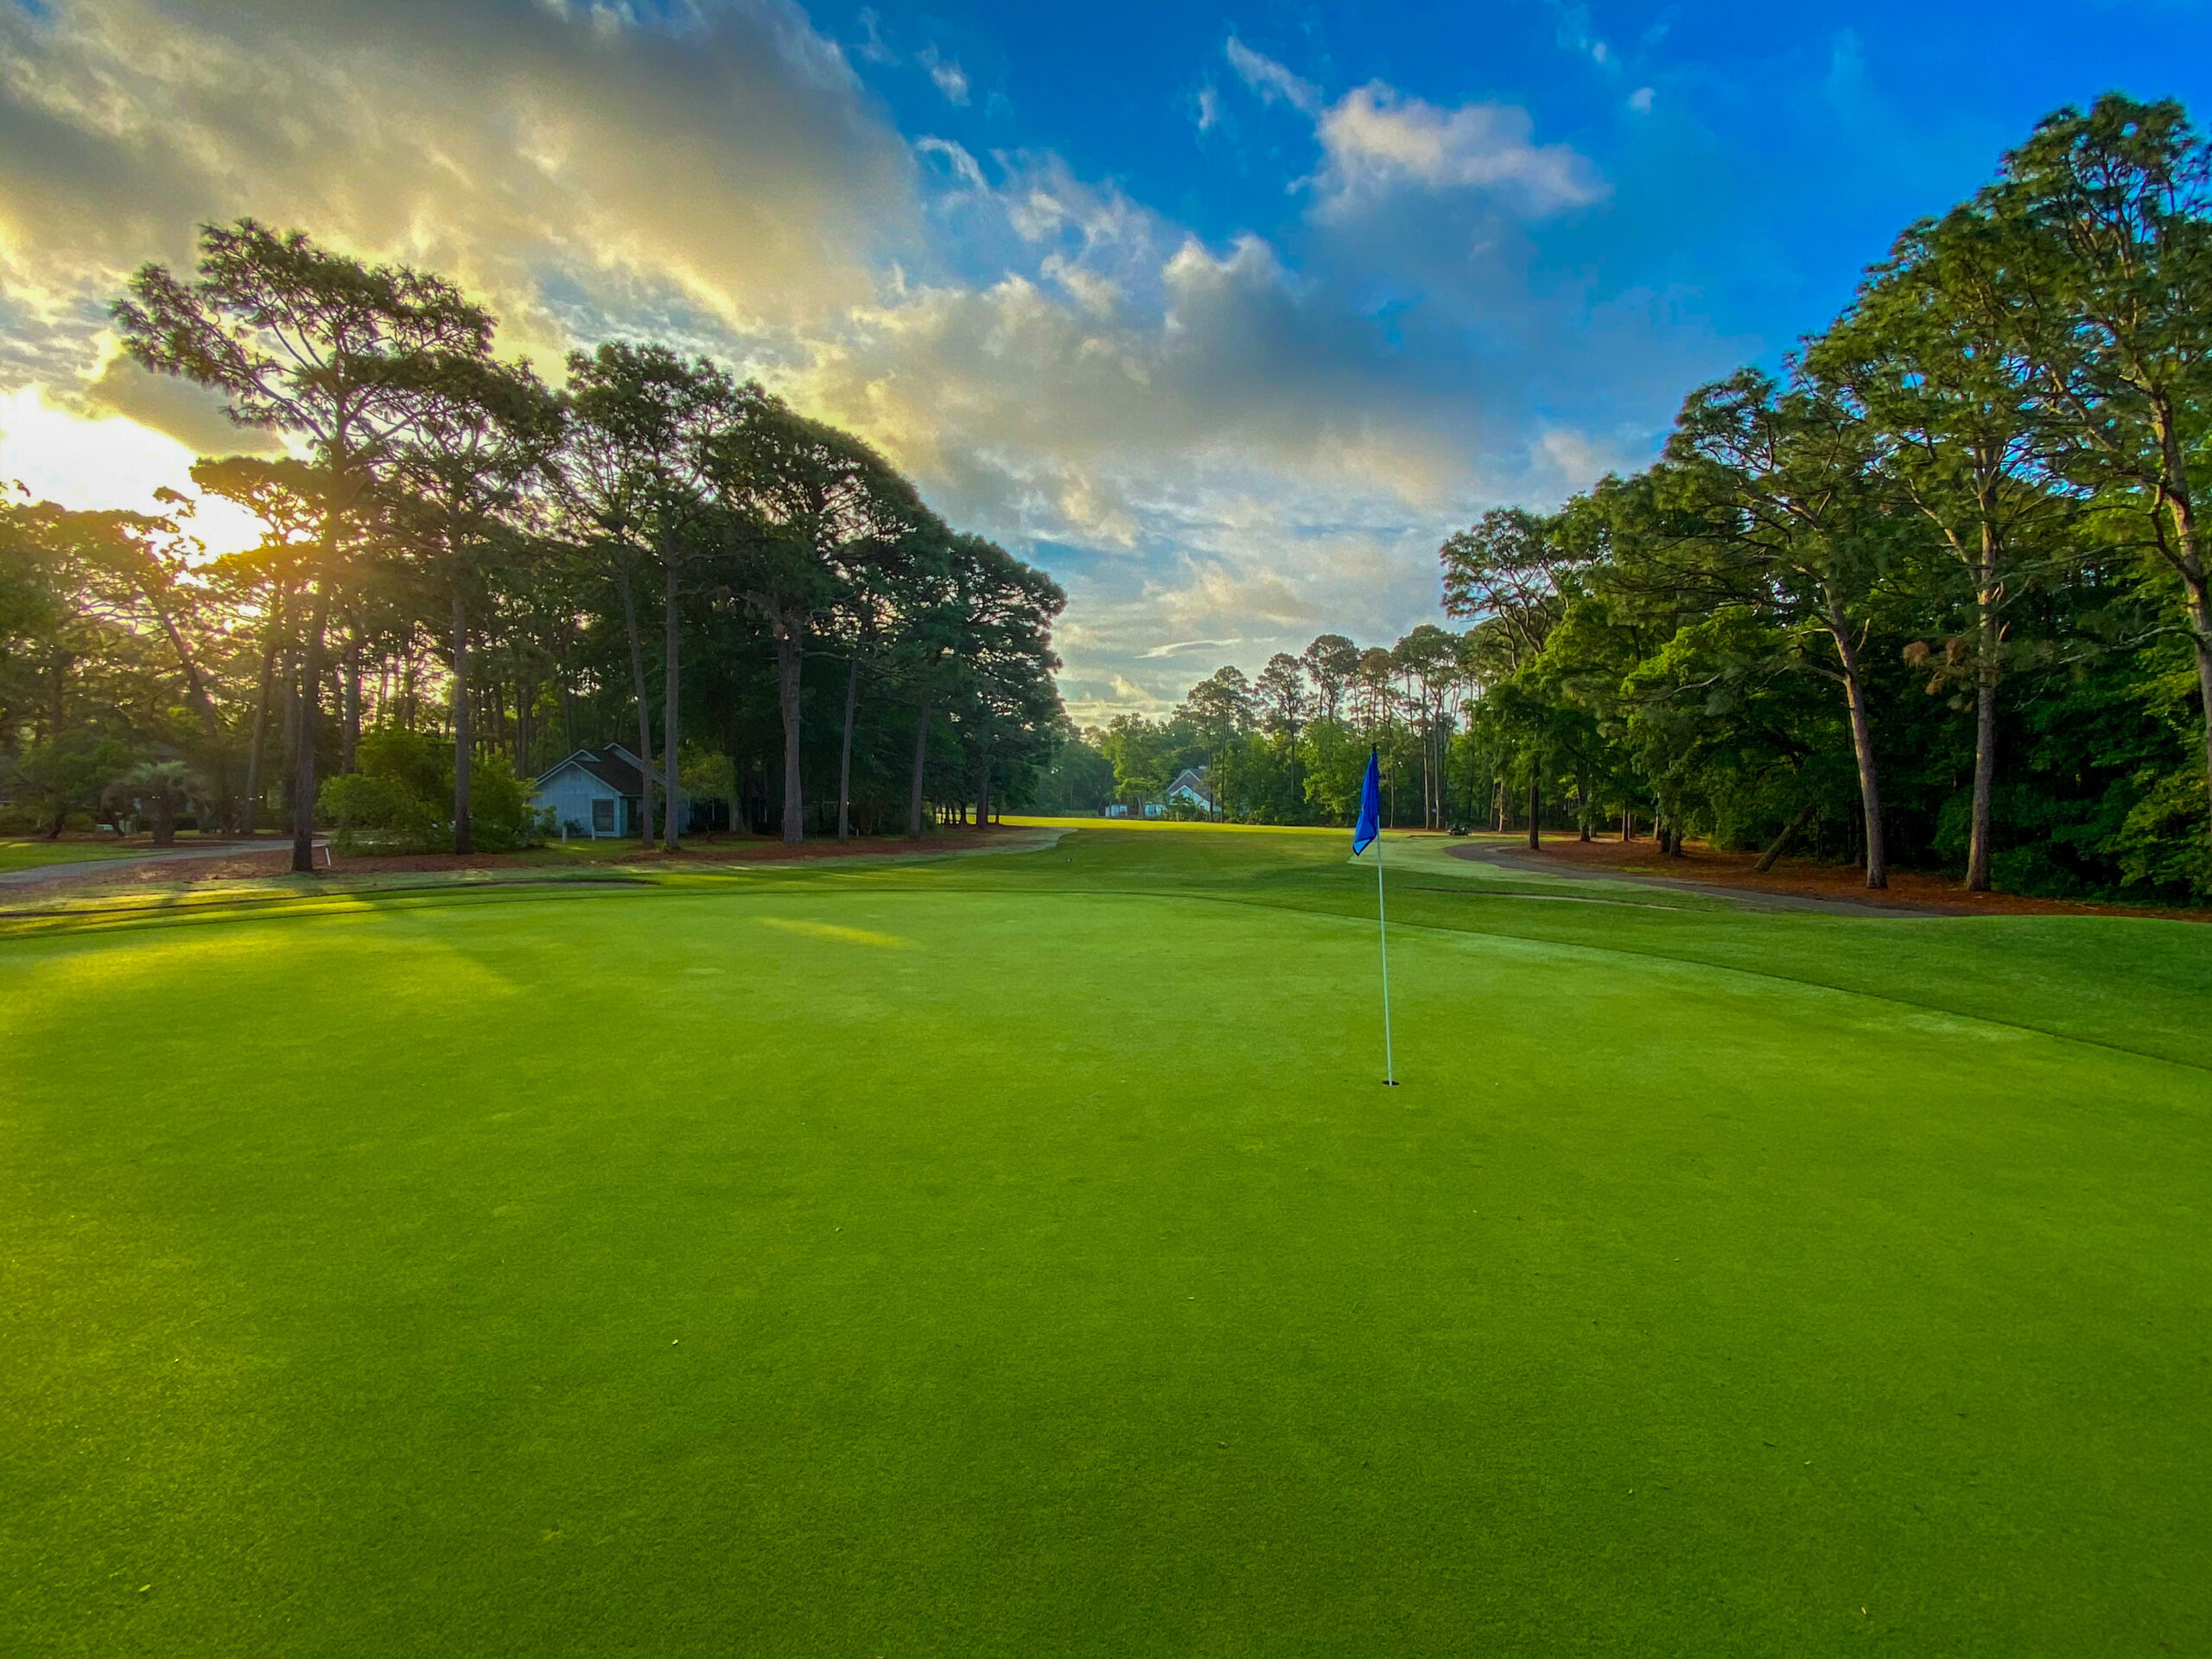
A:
[1936,592]
[458,559]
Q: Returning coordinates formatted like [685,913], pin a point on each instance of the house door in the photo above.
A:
[602,817]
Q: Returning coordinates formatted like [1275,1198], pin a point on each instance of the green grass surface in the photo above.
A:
[1019,1255]
[36,853]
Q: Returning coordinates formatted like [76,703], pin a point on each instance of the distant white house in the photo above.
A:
[1191,792]
[595,793]
[1189,796]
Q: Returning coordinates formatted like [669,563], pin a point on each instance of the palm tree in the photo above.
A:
[158,790]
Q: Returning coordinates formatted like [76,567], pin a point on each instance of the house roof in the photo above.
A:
[1194,780]
[611,764]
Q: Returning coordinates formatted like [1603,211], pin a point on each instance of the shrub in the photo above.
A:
[2032,870]
[381,812]
[500,817]
[401,799]
[417,761]
[2162,842]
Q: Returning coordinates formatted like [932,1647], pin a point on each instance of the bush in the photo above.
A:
[401,801]
[420,763]
[379,812]
[2162,845]
[500,817]
[2034,872]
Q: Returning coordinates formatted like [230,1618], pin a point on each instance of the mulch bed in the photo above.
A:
[1801,878]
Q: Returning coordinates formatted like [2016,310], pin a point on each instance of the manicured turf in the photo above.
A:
[1019,1255]
[34,853]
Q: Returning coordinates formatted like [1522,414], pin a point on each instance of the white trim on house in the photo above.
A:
[1191,785]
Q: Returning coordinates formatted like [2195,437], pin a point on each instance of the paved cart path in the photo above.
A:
[42,872]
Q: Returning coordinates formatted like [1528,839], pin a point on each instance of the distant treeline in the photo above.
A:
[1936,593]
[656,554]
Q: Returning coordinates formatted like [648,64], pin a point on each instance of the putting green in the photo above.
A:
[1019,1255]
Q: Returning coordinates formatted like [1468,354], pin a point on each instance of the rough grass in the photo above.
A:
[1020,1255]
[30,854]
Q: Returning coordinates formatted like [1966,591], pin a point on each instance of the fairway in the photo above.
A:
[1018,1255]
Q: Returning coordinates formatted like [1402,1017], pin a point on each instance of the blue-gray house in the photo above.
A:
[595,792]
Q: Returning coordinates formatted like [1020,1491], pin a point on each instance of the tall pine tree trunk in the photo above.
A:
[2200,621]
[671,729]
[845,752]
[271,632]
[921,765]
[304,757]
[288,730]
[1985,713]
[349,742]
[1535,806]
[791,644]
[1985,768]
[644,827]
[1862,747]
[464,752]
[2187,558]
[196,694]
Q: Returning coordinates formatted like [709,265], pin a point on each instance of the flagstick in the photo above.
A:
[1383,926]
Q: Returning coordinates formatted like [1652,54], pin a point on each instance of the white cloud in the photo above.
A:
[574,167]
[956,158]
[1101,296]
[1208,442]
[871,47]
[1192,644]
[1376,138]
[1574,33]
[950,79]
[1640,100]
[1270,80]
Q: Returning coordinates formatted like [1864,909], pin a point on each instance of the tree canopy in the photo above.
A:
[455,553]
[1933,590]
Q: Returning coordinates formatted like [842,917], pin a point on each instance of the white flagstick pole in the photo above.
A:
[1383,926]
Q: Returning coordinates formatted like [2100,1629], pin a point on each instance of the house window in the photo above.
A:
[602,817]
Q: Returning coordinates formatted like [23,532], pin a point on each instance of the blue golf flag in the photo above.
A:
[1370,808]
[1365,834]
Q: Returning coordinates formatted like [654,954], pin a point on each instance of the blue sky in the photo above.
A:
[1759,155]
[1225,316]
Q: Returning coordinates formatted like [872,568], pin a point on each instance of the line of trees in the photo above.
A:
[1290,745]
[465,573]
[1938,591]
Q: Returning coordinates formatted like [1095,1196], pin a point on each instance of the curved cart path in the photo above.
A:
[78,867]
